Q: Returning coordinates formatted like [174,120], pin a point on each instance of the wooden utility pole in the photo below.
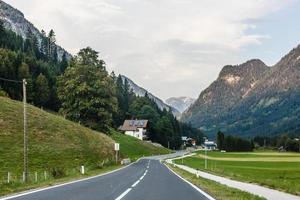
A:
[25,133]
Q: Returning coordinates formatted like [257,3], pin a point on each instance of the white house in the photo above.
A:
[210,145]
[135,128]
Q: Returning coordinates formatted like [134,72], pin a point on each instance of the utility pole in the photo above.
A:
[25,133]
[25,136]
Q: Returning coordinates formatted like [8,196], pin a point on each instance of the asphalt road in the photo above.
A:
[147,179]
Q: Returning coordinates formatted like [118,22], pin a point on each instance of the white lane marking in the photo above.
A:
[63,184]
[145,173]
[137,182]
[129,189]
[123,194]
[191,184]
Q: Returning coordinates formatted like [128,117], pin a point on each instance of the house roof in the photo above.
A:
[132,125]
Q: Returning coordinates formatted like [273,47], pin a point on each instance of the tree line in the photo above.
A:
[81,88]
[280,142]
[233,143]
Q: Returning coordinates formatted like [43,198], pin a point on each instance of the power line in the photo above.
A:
[10,80]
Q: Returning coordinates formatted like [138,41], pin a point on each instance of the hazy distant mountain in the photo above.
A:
[14,20]
[251,99]
[180,103]
[139,91]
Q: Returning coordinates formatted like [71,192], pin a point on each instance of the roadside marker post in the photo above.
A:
[36,176]
[24,177]
[117,149]
[8,177]
[82,169]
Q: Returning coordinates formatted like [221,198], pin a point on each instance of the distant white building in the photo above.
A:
[188,141]
[135,128]
[210,145]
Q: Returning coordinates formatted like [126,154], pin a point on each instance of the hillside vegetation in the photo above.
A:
[53,141]
[58,147]
[134,148]
[251,100]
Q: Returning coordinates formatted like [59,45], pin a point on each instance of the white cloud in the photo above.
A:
[161,45]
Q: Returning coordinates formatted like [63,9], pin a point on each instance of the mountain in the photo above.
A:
[15,20]
[180,103]
[139,91]
[251,99]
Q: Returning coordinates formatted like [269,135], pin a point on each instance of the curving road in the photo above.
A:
[146,179]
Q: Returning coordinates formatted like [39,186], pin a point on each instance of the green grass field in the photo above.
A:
[275,170]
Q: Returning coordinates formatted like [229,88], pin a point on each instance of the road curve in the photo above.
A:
[146,179]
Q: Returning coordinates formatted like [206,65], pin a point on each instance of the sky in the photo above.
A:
[171,47]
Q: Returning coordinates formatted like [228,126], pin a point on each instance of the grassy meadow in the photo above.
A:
[280,171]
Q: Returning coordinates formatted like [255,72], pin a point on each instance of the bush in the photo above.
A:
[3,93]
[57,172]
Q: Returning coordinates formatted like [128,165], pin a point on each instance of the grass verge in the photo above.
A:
[216,190]
[275,170]
[15,187]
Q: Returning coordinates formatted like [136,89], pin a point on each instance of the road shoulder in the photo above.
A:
[212,188]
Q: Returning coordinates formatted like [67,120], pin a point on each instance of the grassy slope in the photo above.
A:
[283,175]
[53,141]
[134,148]
[217,190]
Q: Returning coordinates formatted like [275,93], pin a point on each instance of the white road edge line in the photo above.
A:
[123,194]
[63,184]
[191,184]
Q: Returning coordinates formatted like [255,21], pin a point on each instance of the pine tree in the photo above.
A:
[64,63]
[2,33]
[220,140]
[44,45]
[42,90]
[52,49]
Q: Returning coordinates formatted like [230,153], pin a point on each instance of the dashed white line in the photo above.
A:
[142,177]
[123,194]
[137,182]
[133,185]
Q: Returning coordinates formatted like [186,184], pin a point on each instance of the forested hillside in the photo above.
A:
[251,100]
[81,89]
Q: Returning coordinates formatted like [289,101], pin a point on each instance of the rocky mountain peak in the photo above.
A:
[14,20]
[6,8]
[180,103]
[139,91]
[252,66]
[291,59]
[251,99]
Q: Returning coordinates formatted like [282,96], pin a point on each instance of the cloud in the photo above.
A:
[161,45]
